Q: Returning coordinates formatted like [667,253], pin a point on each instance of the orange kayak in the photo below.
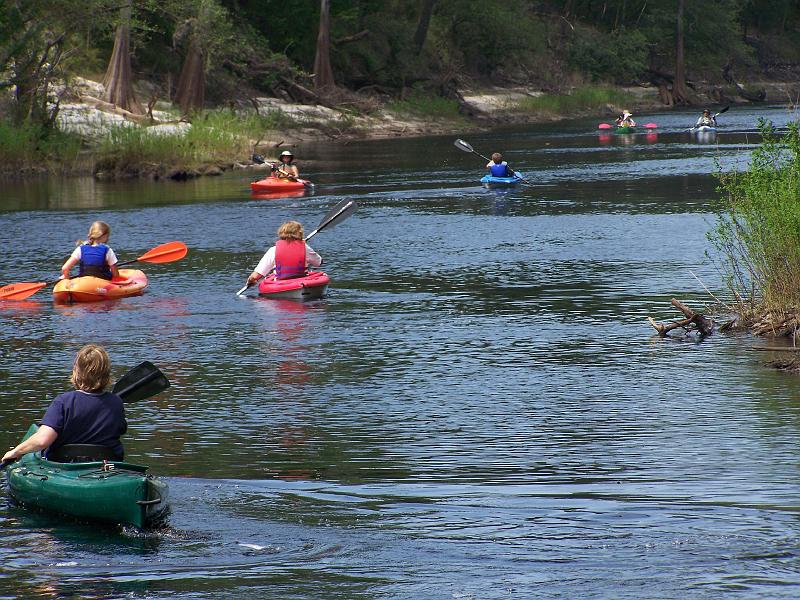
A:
[95,289]
[270,185]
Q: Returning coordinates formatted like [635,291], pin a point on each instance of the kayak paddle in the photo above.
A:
[646,126]
[165,253]
[462,145]
[336,215]
[142,381]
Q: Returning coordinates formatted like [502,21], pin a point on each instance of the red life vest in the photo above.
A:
[290,259]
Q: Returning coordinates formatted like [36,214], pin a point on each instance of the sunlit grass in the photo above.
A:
[581,99]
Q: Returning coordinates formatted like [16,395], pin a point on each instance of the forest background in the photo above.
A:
[361,56]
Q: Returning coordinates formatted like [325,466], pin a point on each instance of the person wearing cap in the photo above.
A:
[706,119]
[286,168]
[625,120]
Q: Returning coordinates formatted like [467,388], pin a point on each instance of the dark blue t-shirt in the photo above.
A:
[84,418]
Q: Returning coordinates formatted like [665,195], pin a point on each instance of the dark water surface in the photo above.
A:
[478,409]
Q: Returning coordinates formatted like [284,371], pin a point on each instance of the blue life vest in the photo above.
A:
[290,259]
[93,261]
[500,170]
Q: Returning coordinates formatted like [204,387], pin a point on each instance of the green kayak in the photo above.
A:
[112,491]
[626,129]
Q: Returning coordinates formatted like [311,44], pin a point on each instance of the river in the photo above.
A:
[479,409]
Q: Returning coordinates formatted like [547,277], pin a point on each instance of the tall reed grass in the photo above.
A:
[757,235]
[215,137]
[33,147]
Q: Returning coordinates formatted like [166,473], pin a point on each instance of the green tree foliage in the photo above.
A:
[268,46]
[40,43]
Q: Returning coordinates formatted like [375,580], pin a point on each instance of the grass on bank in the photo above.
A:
[33,147]
[426,106]
[215,137]
[757,235]
[580,100]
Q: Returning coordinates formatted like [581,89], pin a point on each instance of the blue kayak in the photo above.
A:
[490,180]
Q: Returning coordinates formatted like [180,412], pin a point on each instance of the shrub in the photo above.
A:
[758,232]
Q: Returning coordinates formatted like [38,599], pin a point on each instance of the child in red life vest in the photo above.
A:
[290,256]
[93,256]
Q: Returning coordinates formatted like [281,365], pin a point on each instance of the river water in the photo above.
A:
[479,408]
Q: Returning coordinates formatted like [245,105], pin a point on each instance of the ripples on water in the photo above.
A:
[476,411]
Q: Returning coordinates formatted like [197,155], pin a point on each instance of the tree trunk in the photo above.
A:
[118,80]
[680,94]
[190,92]
[323,72]
[424,22]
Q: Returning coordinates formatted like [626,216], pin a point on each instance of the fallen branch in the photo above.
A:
[703,325]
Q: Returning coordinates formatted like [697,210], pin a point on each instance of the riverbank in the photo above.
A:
[95,137]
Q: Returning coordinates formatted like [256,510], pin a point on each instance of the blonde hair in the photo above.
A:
[91,369]
[497,157]
[291,230]
[97,230]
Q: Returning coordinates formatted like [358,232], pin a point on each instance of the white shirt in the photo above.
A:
[267,262]
[111,258]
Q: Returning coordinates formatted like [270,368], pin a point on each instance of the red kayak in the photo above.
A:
[310,287]
[271,185]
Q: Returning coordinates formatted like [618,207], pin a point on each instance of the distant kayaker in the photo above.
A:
[87,415]
[290,257]
[286,168]
[625,119]
[498,167]
[706,119]
[93,256]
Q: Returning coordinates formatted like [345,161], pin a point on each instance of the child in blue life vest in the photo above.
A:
[290,257]
[86,415]
[93,256]
[498,167]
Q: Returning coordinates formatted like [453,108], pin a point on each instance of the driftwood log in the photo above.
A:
[703,325]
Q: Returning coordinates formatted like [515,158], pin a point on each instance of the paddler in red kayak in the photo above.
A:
[286,169]
[290,257]
[86,415]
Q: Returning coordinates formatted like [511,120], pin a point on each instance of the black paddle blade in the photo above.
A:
[258,159]
[141,382]
[336,215]
[462,145]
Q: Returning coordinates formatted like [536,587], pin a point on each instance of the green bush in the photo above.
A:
[758,232]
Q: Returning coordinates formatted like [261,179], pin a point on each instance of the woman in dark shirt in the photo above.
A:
[87,415]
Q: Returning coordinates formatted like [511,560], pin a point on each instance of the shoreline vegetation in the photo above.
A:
[193,87]
[756,243]
[93,137]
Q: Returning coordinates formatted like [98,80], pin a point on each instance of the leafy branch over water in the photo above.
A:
[758,233]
